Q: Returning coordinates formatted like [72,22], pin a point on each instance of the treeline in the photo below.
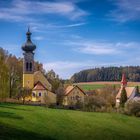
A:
[11,69]
[107,74]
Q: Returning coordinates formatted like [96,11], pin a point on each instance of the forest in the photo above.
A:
[107,74]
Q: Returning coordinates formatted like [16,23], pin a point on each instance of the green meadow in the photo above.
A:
[22,122]
[91,87]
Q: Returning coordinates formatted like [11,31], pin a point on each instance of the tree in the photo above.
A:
[137,91]
[24,93]
[3,76]
[123,98]
[60,92]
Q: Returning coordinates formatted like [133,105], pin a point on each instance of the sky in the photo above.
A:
[73,35]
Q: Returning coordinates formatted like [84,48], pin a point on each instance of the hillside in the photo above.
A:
[18,122]
[87,86]
[107,74]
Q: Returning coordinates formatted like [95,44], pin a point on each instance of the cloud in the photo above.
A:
[66,69]
[21,10]
[38,38]
[101,47]
[126,10]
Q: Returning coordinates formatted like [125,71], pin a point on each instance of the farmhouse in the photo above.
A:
[73,94]
[130,91]
[41,88]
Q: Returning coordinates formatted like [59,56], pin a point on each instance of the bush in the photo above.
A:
[132,107]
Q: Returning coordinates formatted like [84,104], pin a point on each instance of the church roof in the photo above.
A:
[28,46]
[39,86]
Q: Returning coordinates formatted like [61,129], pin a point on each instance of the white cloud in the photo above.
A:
[21,10]
[66,69]
[100,47]
[127,10]
[38,38]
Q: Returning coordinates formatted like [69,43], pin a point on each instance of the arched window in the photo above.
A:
[30,66]
[27,66]
[33,94]
[39,94]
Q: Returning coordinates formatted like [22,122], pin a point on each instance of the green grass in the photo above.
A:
[91,87]
[18,122]
[87,87]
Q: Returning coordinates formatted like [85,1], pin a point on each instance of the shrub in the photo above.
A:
[132,107]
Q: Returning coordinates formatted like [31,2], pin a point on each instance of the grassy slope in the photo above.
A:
[31,122]
[86,86]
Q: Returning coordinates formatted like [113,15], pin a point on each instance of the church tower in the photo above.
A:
[28,62]
[123,81]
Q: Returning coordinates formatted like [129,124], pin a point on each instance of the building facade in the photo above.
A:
[73,94]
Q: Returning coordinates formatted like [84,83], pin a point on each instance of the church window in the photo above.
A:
[30,66]
[27,66]
[33,94]
[39,94]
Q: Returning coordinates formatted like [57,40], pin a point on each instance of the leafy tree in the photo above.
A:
[24,93]
[123,97]
[60,92]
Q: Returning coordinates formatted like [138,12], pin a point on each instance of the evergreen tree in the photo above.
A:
[123,98]
[137,91]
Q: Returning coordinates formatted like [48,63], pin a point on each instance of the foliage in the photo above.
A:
[60,92]
[54,80]
[132,107]
[123,97]
[107,74]
[102,100]
[11,69]
[137,91]
[4,84]
[23,122]
[24,93]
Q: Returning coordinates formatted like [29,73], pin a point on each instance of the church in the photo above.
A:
[35,80]
[130,91]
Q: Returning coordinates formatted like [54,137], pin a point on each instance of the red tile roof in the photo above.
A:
[39,86]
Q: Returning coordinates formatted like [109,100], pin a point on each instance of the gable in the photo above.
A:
[39,86]
[74,90]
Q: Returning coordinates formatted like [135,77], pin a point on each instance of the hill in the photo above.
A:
[107,74]
[22,122]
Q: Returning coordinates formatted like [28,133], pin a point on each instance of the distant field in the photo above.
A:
[98,85]
[22,122]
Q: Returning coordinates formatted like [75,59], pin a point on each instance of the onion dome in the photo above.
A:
[28,46]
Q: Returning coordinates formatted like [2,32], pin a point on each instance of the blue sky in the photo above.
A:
[72,35]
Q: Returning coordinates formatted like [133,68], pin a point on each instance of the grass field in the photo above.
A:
[18,122]
[86,86]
